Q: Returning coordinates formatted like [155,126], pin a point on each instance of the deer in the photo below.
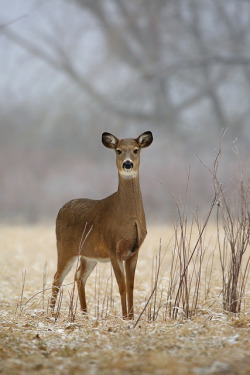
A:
[116,227]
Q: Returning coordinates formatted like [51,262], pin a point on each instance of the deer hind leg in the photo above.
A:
[82,274]
[130,266]
[63,268]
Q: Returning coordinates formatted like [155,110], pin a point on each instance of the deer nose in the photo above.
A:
[127,165]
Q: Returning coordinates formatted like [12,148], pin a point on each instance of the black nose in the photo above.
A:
[127,165]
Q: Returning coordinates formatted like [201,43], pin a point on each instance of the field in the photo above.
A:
[34,341]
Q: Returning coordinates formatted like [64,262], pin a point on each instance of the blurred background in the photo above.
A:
[71,69]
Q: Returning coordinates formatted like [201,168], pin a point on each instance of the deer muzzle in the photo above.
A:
[127,165]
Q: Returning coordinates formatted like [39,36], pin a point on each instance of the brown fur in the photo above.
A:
[117,224]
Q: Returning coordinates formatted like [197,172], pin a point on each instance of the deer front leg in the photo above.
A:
[120,278]
[130,266]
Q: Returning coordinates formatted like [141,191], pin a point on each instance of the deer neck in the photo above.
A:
[129,196]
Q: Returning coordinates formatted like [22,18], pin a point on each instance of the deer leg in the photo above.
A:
[63,269]
[82,274]
[120,278]
[130,266]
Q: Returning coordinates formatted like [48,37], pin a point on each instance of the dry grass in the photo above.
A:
[31,341]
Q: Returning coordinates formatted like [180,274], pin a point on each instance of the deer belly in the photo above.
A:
[98,259]
[95,252]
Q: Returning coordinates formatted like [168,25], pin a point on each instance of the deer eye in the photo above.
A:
[118,151]
[136,150]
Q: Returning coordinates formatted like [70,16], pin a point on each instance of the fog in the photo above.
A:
[70,70]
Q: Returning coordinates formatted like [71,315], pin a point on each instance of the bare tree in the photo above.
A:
[162,44]
[182,67]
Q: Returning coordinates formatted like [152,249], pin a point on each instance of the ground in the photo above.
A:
[34,341]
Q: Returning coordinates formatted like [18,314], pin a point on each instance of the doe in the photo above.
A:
[118,227]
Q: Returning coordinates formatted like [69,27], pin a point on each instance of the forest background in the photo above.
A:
[70,70]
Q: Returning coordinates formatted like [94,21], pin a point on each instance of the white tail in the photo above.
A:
[118,227]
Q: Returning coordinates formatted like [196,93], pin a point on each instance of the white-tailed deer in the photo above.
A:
[118,227]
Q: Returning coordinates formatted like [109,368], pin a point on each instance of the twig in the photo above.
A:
[154,288]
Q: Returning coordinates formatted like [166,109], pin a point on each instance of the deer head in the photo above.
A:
[127,151]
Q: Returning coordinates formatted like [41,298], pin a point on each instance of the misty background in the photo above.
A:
[70,70]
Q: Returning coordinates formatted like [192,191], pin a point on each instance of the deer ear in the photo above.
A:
[145,139]
[109,140]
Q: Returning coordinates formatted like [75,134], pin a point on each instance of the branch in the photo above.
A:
[63,63]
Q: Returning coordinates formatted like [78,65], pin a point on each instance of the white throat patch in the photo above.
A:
[130,174]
